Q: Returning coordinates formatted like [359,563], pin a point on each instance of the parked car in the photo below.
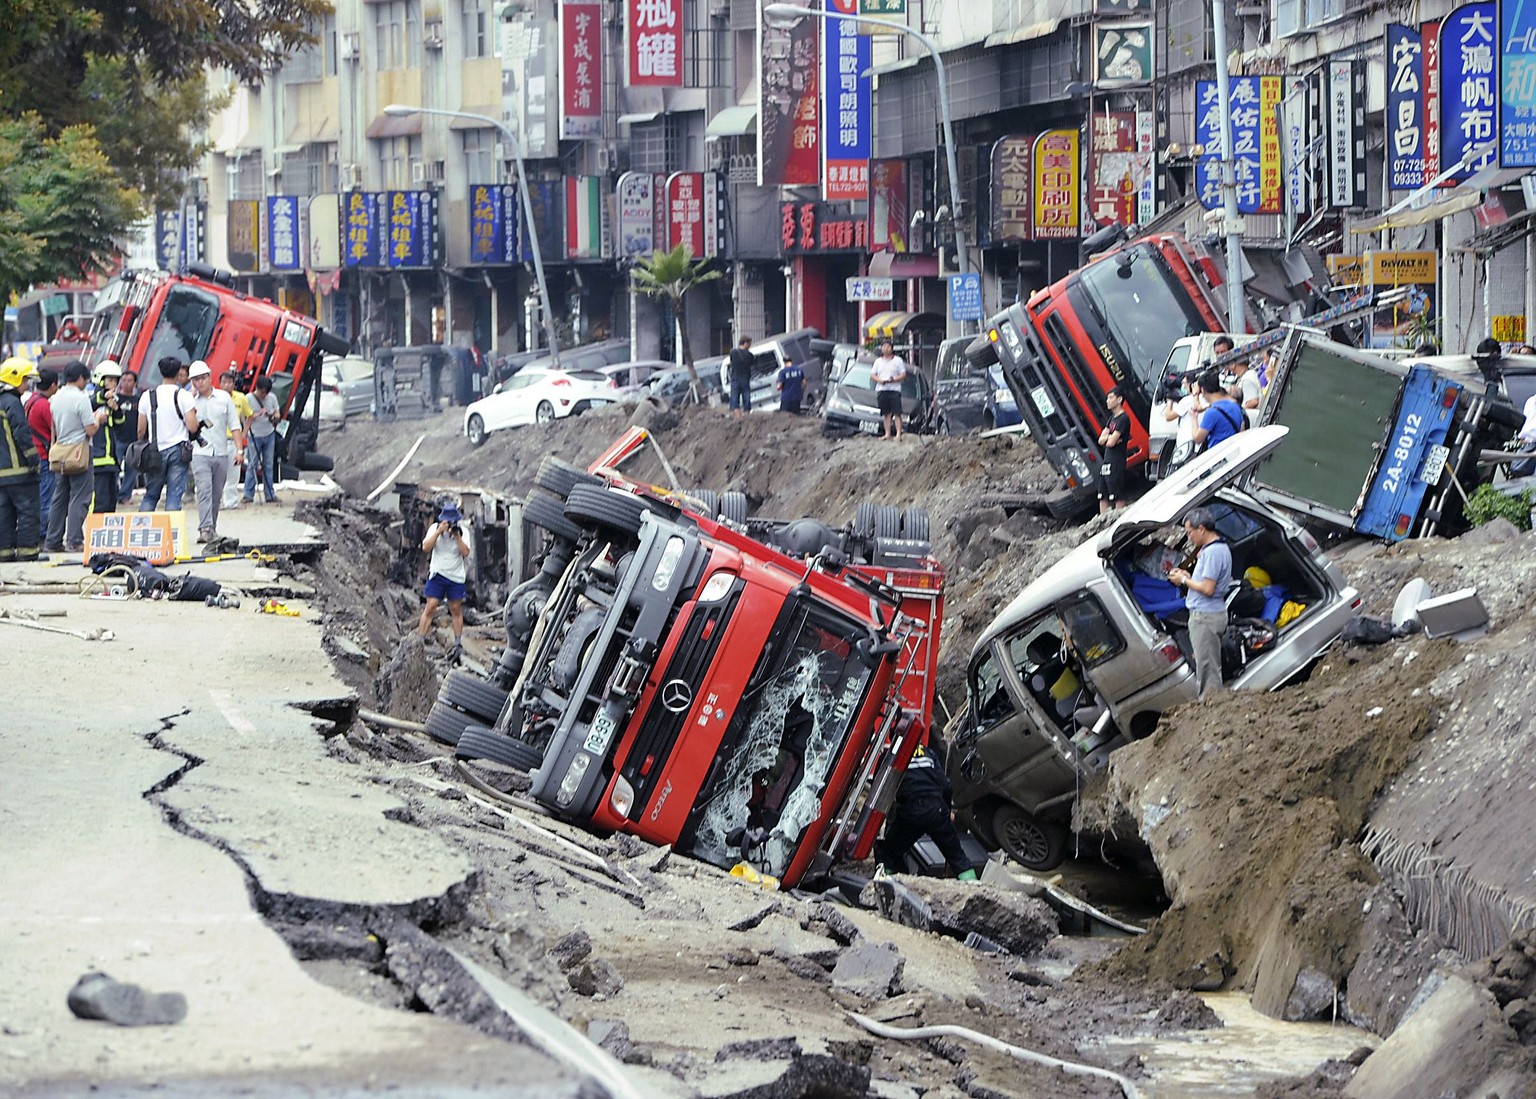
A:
[629,378]
[1088,656]
[970,396]
[536,395]
[851,404]
[346,389]
[671,384]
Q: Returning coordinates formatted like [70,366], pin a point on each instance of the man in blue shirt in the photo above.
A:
[1223,419]
[1205,596]
[791,387]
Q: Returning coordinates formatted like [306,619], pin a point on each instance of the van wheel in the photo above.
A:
[1034,844]
[545,512]
[487,744]
[475,430]
[473,695]
[560,477]
[612,512]
[734,507]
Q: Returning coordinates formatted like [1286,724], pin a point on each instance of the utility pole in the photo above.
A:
[1232,221]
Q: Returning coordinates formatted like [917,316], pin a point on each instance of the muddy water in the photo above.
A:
[1249,1050]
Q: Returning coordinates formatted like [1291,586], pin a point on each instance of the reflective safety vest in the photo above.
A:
[18,454]
[104,453]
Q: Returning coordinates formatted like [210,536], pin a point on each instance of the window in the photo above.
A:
[1091,634]
[479,148]
[395,157]
[1137,302]
[396,34]
[477,24]
[1296,16]
[990,700]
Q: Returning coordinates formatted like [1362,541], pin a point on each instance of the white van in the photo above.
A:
[1186,356]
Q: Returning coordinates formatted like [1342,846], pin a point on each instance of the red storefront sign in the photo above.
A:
[1112,188]
[808,227]
[693,206]
[581,69]
[655,29]
[789,118]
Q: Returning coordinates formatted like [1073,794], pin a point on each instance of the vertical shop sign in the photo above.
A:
[1012,181]
[1469,85]
[847,111]
[1405,108]
[888,209]
[244,239]
[168,239]
[581,69]
[412,217]
[637,214]
[1271,199]
[1058,184]
[1517,96]
[685,212]
[789,115]
[1346,133]
[1256,162]
[361,246]
[283,232]
[655,29]
[194,244]
[585,217]
[493,218]
[545,196]
[1297,141]
[1429,36]
[1118,168]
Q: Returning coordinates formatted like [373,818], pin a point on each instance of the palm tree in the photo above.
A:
[671,275]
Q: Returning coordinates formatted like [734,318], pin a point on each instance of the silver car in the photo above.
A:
[1093,652]
[346,389]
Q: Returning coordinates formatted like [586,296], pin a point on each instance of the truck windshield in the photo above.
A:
[1142,310]
[766,787]
[185,328]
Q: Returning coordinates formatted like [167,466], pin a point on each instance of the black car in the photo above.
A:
[672,385]
[851,404]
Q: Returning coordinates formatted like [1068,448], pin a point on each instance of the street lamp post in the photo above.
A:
[402,110]
[1236,321]
[792,10]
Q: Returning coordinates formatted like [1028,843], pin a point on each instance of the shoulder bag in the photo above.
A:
[144,455]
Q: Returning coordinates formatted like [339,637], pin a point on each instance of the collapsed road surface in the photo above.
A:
[311,885]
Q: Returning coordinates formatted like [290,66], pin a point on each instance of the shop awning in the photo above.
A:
[883,325]
[1025,33]
[903,265]
[638,116]
[732,122]
[458,123]
[386,125]
[310,130]
[1459,199]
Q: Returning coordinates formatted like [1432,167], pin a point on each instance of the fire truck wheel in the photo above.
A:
[475,429]
[487,744]
[612,512]
[560,477]
[473,695]
[887,521]
[709,501]
[446,724]
[733,507]
[545,512]
[297,448]
[864,520]
[1035,844]
[914,524]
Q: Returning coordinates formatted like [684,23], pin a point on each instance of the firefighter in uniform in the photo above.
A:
[923,809]
[20,508]
[105,459]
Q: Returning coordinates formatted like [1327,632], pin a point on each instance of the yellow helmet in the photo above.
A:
[15,371]
[1256,577]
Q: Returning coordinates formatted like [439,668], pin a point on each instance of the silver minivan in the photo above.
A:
[1090,655]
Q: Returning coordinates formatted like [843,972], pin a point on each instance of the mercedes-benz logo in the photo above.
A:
[676,695]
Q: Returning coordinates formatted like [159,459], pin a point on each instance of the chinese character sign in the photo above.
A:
[412,218]
[1405,107]
[685,211]
[1469,87]
[493,224]
[1517,100]
[1122,53]
[847,110]
[1012,181]
[1429,37]
[1346,133]
[168,239]
[655,29]
[1255,142]
[359,226]
[789,97]
[1118,168]
[637,213]
[283,232]
[581,69]
[1296,141]
[1058,184]
[244,234]
[814,227]
[888,205]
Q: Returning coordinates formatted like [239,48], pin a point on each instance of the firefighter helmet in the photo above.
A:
[108,368]
[15,371]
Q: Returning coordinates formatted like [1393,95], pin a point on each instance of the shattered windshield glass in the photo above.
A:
[793,724]
[185,327]
[1137,300]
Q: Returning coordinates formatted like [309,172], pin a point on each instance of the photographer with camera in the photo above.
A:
[212,443]
[1182,405]
[447,573]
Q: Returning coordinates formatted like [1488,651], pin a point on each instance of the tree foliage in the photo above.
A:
[671,275]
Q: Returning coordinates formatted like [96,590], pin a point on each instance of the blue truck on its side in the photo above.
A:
[1379,447]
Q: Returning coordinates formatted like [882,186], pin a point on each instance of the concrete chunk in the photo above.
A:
[595,977]
[869,970]
[1018,923]
[818,1075]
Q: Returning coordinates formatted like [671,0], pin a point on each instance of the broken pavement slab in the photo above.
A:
[871,971]
[785,1068]
[1019,923]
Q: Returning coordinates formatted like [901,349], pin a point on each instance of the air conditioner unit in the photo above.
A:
[351,177]
[425,173]
[604,158]
[349,46]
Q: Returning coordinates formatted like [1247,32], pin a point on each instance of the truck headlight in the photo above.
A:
[623,797]
[572,781]
[1079,466]
[666,567]
[296,333]
[716,587]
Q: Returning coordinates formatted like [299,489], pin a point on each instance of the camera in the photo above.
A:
[1172,388]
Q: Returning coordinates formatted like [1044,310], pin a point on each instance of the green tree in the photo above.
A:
[63,206]
[671,275]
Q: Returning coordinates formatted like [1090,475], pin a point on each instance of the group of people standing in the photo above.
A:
[66,447]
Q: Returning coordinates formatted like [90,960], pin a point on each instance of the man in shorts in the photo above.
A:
[889,371]
[1114,439]
[447,574]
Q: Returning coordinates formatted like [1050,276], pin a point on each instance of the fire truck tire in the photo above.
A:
[475,430]
[709,501]
[733,507]
[864,520]
[612,512]
[473,695]
[914,524]
[332,344]
[560,477]
[545,512]
[491,745]
[319,463]
[1033,843]
[1071,506]
[887,521]
[446,724]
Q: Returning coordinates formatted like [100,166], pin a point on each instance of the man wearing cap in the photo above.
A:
[212,443]
[447,573]
[106,458]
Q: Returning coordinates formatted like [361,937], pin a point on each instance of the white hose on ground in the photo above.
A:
[1018,1053]
[384,484]
[373,717]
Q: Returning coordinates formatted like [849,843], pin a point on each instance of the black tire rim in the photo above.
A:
[1026,841]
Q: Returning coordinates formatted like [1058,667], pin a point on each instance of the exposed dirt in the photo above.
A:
[1263,811]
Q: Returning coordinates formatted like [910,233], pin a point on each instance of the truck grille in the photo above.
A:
[661,728]
[1034,369]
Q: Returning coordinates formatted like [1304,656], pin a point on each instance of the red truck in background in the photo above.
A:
[747,690]
[143,316]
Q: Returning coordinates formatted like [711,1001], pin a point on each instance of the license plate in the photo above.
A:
[599,734]
[1042,401]
[869,427]
[1434,464]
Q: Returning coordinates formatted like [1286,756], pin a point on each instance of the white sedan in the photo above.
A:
[537,395]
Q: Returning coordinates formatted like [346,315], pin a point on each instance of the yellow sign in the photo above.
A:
[138,534]
[1384,269]
[1058,180]
[1509,329]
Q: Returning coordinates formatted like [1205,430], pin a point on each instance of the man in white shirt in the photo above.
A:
[211,445]
[173,420]
[447,574]
[889,371]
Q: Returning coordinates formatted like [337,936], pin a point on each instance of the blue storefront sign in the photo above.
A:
[493,224]
[965,297]
[392,229]
[1405,107]
[361,240]
[547,197]
[847,112]
[283,232]
[1517,95]
[1469,86]
[1247,151]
